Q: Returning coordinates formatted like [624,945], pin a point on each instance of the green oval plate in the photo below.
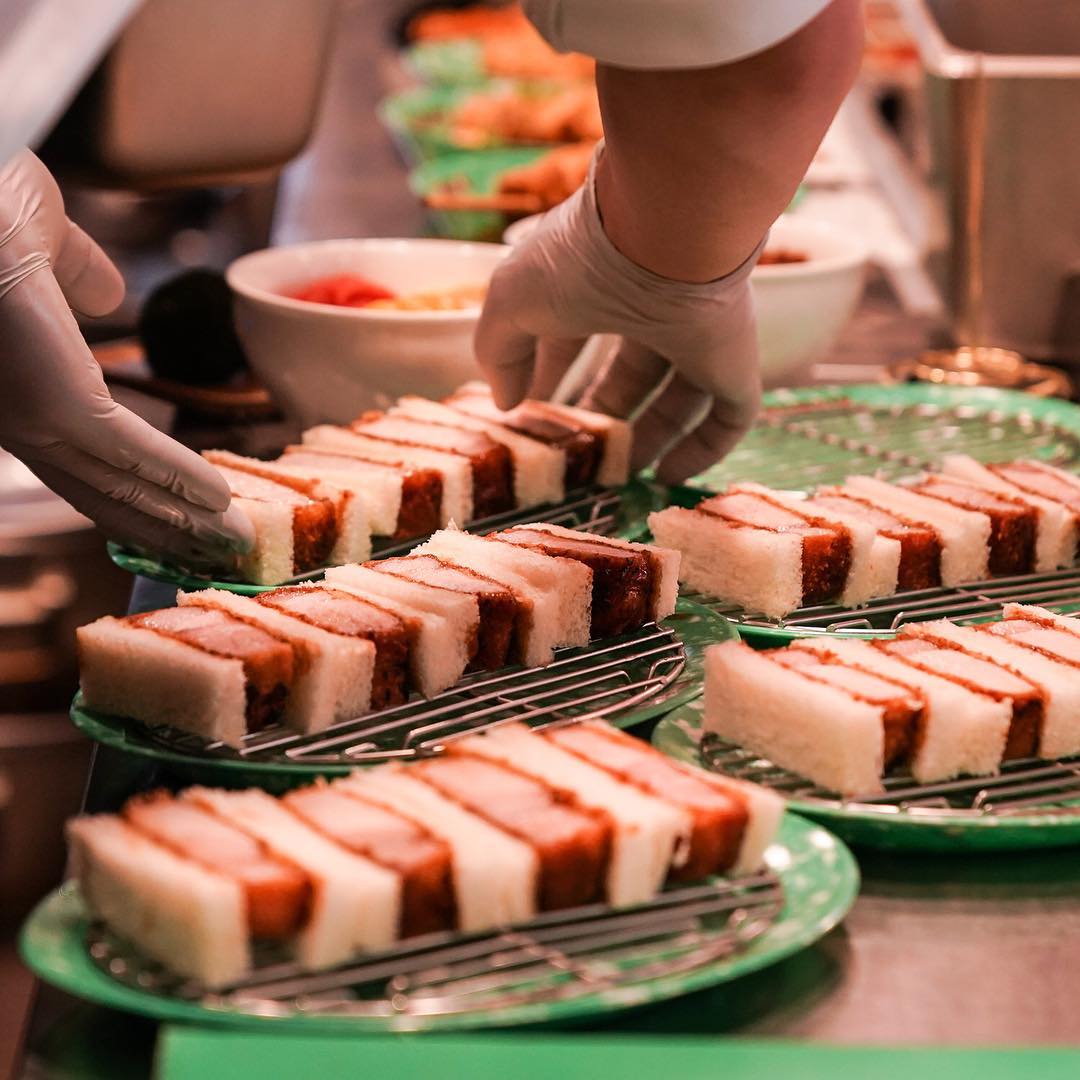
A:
[416,118]
[911,425]
[819,877]
[696,627]
[636,500]
[678,735]
[456,63]
[476,172]
[911,432]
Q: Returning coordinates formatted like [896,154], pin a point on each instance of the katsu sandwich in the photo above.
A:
[939,701]
[501,828]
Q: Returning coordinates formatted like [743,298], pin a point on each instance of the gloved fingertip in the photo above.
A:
[212,492]
[672,470]
[89,279]
[506,398]
[238,530]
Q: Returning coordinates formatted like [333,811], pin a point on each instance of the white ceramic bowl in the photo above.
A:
[801,307]
[327,364]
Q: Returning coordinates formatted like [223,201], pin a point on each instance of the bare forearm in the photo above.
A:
[699,163]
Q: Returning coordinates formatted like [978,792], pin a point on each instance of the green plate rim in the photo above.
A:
[697,628]
[818,872]
[925,831]
[638,498]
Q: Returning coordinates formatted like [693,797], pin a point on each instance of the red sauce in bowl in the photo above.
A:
[341,290]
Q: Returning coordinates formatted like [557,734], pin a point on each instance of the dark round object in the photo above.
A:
[186,329]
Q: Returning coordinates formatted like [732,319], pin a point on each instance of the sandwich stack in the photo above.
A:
[222,665]
[406,472]
[940,700]
[773,553]
[500,828]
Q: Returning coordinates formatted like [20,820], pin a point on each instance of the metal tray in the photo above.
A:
[1031,804]
[570,966]
[626,680]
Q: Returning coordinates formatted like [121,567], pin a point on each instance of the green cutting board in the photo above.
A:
[197,1054]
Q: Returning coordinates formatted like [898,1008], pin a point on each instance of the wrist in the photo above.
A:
[664,244]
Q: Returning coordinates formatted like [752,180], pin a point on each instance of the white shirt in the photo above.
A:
[669,33]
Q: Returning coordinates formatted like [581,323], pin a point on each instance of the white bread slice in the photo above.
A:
[353,541]
[1069,623]
[964,534]
[1069,479]
[449,621]
[539,620]
[1056,533]
[270,561]
[623,755]
[538,468]
[358,503]
[173,910]
[495,874]
[811,728]
[456,471]
[648,832]
[765,812]
[380,484]
[131,671]
[332,683]
[875,559]
[566,585]
[618,435]
[1060,682]
[757,569]
[666,560]
[963,734]
[356,904]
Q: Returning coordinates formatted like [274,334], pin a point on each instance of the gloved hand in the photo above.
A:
[138,485]
[567,281]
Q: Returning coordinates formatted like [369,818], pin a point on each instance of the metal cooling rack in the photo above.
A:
[556,957]
[977,602]
[598,680]
[824,442]
[1022,787]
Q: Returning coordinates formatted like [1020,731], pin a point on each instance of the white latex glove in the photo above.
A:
[567,281]
[138,485]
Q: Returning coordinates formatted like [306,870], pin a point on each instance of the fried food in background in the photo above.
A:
[552,178]
[523,115]
[529,56]
[478,21]
[509,42]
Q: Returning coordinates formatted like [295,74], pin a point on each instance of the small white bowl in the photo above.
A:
[802,308]
[327,364]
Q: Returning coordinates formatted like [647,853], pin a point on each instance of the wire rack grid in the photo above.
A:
[1024,786]
[556,957]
